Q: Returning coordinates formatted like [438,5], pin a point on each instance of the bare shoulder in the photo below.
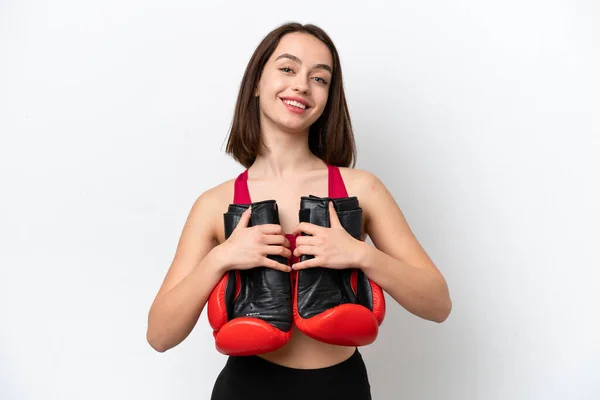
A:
[385,222]
[210,206]
[363,184]
[201,232]
[369,190]
[217,195]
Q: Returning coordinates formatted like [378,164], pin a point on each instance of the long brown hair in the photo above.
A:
[330,138]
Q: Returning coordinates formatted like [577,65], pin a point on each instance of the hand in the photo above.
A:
[332,247]
[249,247]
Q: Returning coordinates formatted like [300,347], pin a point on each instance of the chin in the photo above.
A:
[290,123]
[294,126]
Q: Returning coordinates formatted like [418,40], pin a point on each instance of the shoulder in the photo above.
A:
[219,194]
[361,183]
[215,196]
[209,206]
[371,192]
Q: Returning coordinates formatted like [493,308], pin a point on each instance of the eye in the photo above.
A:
[323,81]
[286,69]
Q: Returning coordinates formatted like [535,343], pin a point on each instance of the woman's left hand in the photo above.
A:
[331,247]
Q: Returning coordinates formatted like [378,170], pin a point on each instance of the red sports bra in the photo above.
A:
[336,189]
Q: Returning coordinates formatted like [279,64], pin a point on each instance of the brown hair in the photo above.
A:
[330,137]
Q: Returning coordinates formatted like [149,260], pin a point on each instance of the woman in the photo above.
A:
[292,131]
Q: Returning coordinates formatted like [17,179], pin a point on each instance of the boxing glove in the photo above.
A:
[341,307]
[250,311]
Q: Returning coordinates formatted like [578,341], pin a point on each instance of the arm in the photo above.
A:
[398,263]
[194,272]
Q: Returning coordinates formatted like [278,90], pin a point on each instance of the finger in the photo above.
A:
[334,220]
[310,263]
[277,251]
[276,239]
[305,250]
[306,227]
[308,240]
[269,229]
[267,262]
[244,219]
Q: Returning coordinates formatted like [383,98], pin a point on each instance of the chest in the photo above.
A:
[288,193]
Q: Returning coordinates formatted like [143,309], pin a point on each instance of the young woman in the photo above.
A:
[292,133]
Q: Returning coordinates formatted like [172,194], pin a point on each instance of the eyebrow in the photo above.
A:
[296,59]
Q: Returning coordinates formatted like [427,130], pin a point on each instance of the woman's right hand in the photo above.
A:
[249,247]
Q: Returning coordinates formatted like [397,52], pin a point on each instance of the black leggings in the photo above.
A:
[253,377]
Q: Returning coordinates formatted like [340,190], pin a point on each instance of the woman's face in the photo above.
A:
[294,85]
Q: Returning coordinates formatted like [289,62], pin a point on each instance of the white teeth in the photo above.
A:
[295,104]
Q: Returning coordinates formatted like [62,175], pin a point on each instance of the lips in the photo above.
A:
[297,99]
[294,109]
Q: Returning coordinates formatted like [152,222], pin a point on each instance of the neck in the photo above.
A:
[285,153]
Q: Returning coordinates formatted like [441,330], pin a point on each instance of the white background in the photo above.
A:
[482,118]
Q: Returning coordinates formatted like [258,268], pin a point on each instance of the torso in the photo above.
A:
[301,351]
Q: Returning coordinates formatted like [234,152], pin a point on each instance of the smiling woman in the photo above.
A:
[291,287]
[296,76]
[297,63]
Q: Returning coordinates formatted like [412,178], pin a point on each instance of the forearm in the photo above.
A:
[420,291]
[174,314]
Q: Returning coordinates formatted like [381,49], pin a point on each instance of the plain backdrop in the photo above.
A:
[482,118]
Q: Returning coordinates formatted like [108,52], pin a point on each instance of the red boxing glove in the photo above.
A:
[340,307]
[250,311]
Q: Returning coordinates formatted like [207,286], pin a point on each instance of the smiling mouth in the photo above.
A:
[295,104]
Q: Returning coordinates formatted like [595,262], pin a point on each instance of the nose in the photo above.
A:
[300,84]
